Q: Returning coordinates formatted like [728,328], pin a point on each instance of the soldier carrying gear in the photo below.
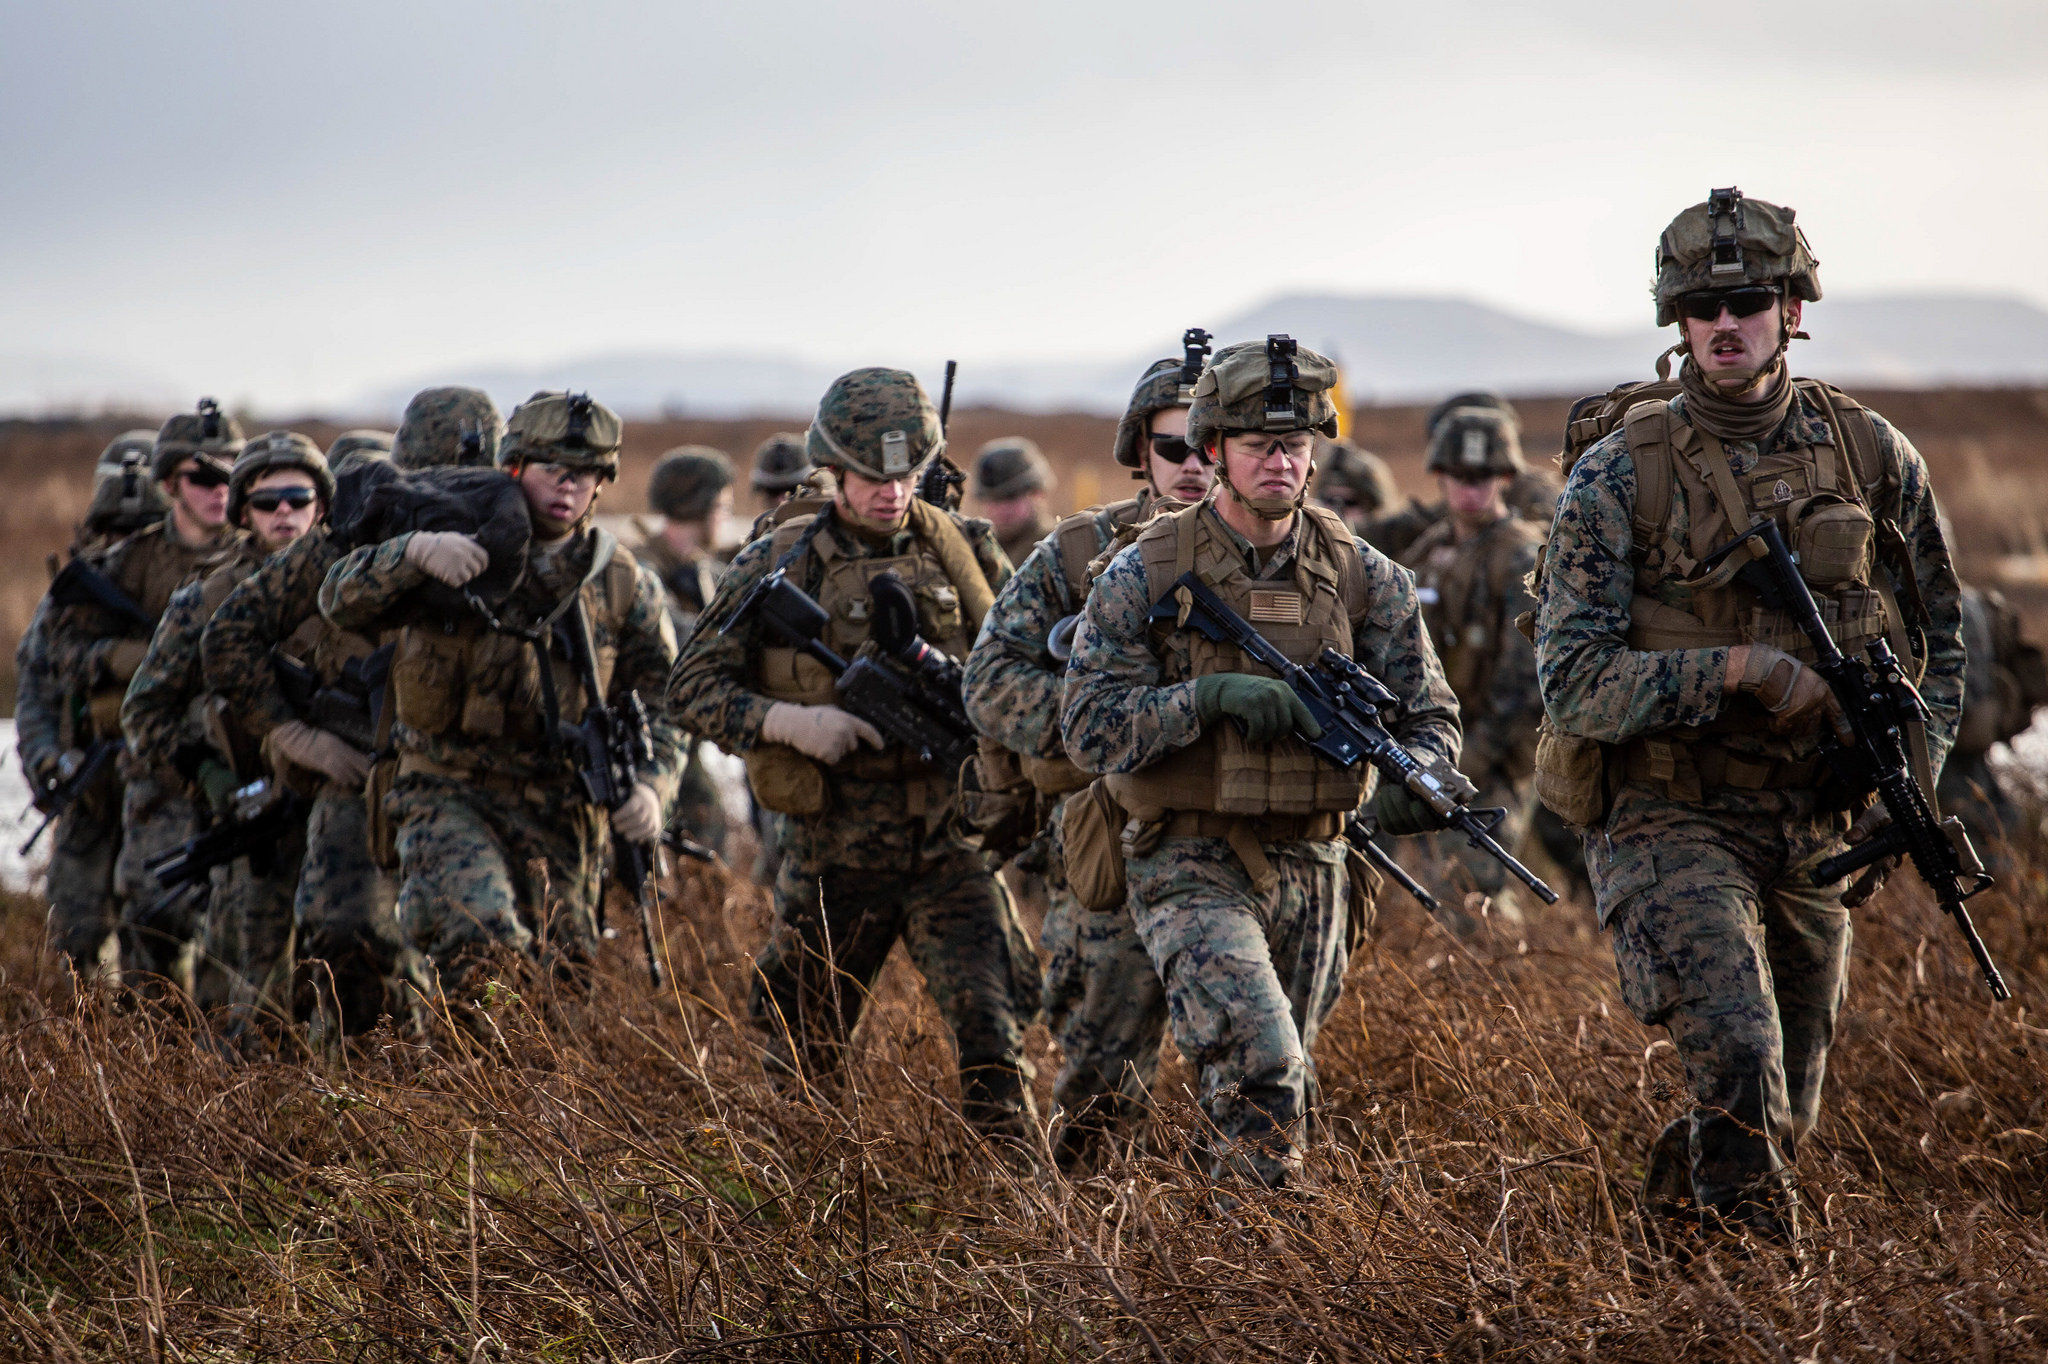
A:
[1685,726]
[1475,442]
[351,447]
[1011,480]
[1277,388]
[780,465]
[868,856]
[126,495]
[444,426]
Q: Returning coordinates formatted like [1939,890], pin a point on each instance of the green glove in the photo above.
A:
[1401,812]
[1266,707]
[217,785]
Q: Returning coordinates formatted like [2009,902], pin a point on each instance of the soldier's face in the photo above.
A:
[1734,345]
[1006,514]
[558,496]
[204,503]
[1265,464]
[1475,499]
[878,501]
[280,507]
[1175,468]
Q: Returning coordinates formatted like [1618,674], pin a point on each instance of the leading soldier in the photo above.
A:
[1688,722]
[1235,867]
[1103,1000]
[867,854]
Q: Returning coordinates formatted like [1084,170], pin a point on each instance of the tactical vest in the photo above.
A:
[946,616]
[1462,602]
[155,564]
[1221,771]
[466,679]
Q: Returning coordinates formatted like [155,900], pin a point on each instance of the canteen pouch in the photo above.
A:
[1091,836]
[786,781]
[1571,776]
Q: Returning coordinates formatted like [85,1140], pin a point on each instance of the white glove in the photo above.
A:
[639,819]
[445,555]
[826,733]
[300,744]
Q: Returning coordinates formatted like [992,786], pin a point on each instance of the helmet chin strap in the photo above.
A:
[1266,508]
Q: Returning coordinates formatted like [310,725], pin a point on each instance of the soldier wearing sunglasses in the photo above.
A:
[1687,726]
[278,490]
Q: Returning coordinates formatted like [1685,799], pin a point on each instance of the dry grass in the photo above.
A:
[615,1180]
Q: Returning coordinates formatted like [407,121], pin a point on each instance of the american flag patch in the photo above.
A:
[1276,608]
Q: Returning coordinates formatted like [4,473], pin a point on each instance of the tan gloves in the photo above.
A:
[639,819]
[1793,693]
[826,733]
[316,750]
[446,556]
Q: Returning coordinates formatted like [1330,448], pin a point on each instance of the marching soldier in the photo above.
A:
[2006,681]
[1354,483]
[781,467]
[1687,720]
[1230,825]
[1011,482]
[1531,494]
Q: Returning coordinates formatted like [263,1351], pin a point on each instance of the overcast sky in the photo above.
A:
[298,202]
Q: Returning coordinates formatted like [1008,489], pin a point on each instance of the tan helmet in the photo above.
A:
[350,447]
[277,450]
[780,463]
[570,429]
[1475,442]
[126,495]
[877,422]
[687,480]
[448,427]
[1729,241]
[1164,384]
[1011,466]
[206,434]
[1276,385]
[1472,397]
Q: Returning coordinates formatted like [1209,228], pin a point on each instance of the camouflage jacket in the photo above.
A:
[1595,685]
[1118,718]
[266,609]
[689,582]
[366,588]
[38,699]
[1471,593]
[91,648]
[157,715]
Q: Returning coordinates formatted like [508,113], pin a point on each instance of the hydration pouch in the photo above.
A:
[1571,776]
[1091,835]
[383,830]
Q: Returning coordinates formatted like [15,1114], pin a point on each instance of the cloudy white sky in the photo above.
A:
[297,203]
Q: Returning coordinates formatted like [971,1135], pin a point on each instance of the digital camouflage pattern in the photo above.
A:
[1769,245]
[269,452]
[1159,388]
[690,582]
[877,422]
[208,435]
[352,447]
[1718,934]
[448,426]
[1241,971]
[569,429]
[1232,393]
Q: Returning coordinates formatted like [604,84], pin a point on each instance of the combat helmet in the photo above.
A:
[573,430]
[687,480]
[1475,442]
[1474,397]
[877,422]
[1729,241]
[1274,387]
[207,435]
[1165,383]
[352,447]
[125,494]
[448,426]
[278,450]
[780,463]
[1011,466]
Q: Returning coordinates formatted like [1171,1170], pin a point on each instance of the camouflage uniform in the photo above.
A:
[1719,933]
[1012,467]
[877,859]
[2005,681]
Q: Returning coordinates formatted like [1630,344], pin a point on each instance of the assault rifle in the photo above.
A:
[258,816]
[61,795]
[351,708]
[79,583]
[1882,706]
[902,686]
[1348,702]
[942,480]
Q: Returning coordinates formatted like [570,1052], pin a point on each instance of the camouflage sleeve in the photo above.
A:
[153,711]
[710,692]
[1934,576]
[260,613]
[367,583]
[1013,693]
[1594,685]
[1117,716]
[647,650]
[1390,641]
[82,638]
[38,701]
[1505,736]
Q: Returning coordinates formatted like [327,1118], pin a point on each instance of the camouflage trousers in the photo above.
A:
[699,811]
[83,906]
[834,928]
[1721,936]
[1458,873]
[481,869]
[247,936]
[157,937]
[1107,1010]
[1249,978]
[350,946]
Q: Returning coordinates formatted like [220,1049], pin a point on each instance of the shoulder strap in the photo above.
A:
[1647,430]
[942,535]
[621,579]
[1340,548]
[1081,538]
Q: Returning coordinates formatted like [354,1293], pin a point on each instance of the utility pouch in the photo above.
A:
[1833,540]
[997,807]
[1363,882]
[383,830]
[1091,835]
[786,781]
[1571,776]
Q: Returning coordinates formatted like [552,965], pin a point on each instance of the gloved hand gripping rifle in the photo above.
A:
[60,795]
[1882,707]
[253,827]
[1347,701]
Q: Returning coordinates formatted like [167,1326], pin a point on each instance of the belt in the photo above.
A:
[1248,835]
[418,764]
[1687,768]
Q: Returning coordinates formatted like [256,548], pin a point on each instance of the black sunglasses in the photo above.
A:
[270,499]
[205,476]
[1706,305]
[1175,450]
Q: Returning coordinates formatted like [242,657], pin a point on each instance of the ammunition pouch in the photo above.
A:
[1686,768]
[1092,826]
[786,781]
[383,830]
[1832,540]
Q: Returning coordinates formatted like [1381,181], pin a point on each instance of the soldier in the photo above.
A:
[53,741]
[692,489]
[1011,481]
[867,855]
[1103,1000]
[498,845]
[1469,570]
[95,650]
[1531,494]
[1354,483]
[781,466]
[1687,724]
[279,489]
[2006,680]
[350,947]
[1233,860]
